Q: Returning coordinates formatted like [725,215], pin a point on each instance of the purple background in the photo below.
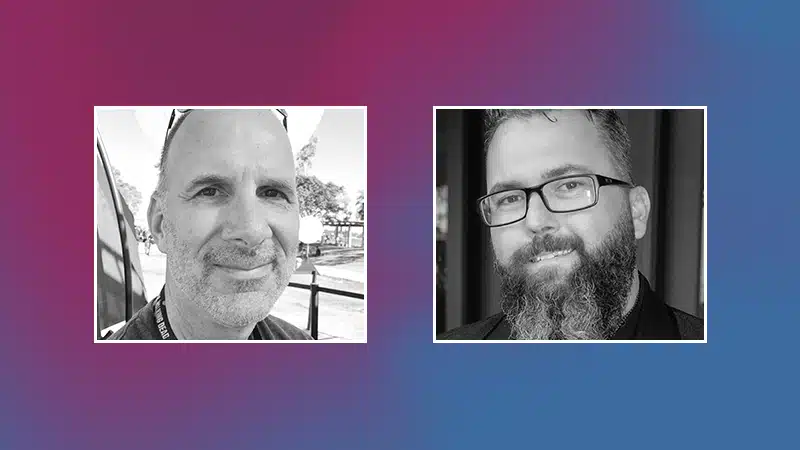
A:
[400,391]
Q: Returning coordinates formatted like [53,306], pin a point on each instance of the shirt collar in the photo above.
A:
[629,326]
[165,330]
[650,318]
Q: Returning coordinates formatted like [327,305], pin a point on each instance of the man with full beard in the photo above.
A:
[225,213]
[564,216]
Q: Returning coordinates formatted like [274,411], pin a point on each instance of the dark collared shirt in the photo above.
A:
[650,319]
[152,323]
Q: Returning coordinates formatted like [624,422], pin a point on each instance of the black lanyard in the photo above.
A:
[165,330]
[162,323]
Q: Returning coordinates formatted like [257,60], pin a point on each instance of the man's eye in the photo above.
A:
[570,185]
[509,199]
[274,193]
[209,192]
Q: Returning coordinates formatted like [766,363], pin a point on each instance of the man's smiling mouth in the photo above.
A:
[246,272]
[550,255]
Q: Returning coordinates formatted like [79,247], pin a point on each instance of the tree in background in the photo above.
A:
[360,205]
[303,158]
[325,201]
[129,193]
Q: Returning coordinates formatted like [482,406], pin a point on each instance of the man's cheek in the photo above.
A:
[177,240]
[167,237]
[287,234]
[503,247]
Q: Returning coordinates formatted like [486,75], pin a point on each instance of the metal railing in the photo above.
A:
[313,301]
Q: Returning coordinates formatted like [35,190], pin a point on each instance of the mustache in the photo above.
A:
[547,244]
[244,258]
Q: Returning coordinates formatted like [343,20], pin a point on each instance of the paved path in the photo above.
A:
[342,263]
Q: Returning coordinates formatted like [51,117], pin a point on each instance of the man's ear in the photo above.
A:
[640,210]
[155,220]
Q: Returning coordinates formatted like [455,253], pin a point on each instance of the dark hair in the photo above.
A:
[608,123]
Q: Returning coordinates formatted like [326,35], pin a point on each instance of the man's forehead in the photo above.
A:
[205,128]
[229,141]
[525,149]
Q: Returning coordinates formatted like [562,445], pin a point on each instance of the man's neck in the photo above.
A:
[189,322]
[633,293]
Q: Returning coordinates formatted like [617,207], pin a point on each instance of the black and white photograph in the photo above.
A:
[570,224]
[230,224]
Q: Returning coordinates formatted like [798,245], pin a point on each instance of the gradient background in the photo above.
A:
[400,391]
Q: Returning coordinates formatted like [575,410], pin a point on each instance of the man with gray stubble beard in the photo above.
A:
[564,217]
[226,215]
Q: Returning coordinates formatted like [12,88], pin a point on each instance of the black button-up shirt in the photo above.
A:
[650,319]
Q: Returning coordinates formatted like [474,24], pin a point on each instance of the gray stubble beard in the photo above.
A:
[246,306]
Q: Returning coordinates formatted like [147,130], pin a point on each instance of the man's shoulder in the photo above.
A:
[474,331]
[690,327]
[140,327]
[280,329]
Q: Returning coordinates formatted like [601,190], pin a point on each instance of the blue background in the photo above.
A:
[400,391]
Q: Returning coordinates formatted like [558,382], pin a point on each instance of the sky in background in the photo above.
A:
[133,139]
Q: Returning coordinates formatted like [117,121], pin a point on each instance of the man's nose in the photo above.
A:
[247,222]
[540,220]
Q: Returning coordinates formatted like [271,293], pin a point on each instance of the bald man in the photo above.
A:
[226,215]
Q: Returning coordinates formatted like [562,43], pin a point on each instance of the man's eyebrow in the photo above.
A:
[211,179]
[278,183]
[207,179]
[547,175]
[564,170]
[506,185]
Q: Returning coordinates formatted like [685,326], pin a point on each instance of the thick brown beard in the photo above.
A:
[588,304]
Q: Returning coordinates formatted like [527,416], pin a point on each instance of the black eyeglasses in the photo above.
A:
[565,194]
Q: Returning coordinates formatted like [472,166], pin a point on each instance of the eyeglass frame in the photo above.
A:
[598,180]
[176,112]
